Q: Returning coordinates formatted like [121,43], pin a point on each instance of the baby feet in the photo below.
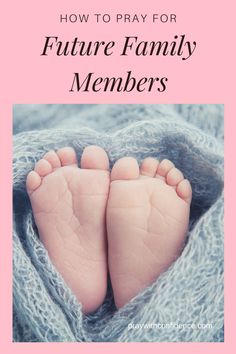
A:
[147,221]
[145,213]
[69,207]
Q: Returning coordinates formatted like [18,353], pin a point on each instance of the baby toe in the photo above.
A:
[43,167]
[33,181]
[53,159]
[184,190]
[174,177]
[149,167]
[67,156]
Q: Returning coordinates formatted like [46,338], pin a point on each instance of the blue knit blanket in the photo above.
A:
[186,302]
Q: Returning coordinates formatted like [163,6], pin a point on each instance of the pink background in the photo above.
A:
[26,77]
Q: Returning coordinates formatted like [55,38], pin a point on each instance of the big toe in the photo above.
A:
[126,168]
[95,158]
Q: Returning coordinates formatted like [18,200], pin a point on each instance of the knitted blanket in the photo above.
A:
[186,302]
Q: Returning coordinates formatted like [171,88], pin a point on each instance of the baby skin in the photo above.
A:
[132,221]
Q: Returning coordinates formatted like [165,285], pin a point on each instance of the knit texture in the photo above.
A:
[190,291]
